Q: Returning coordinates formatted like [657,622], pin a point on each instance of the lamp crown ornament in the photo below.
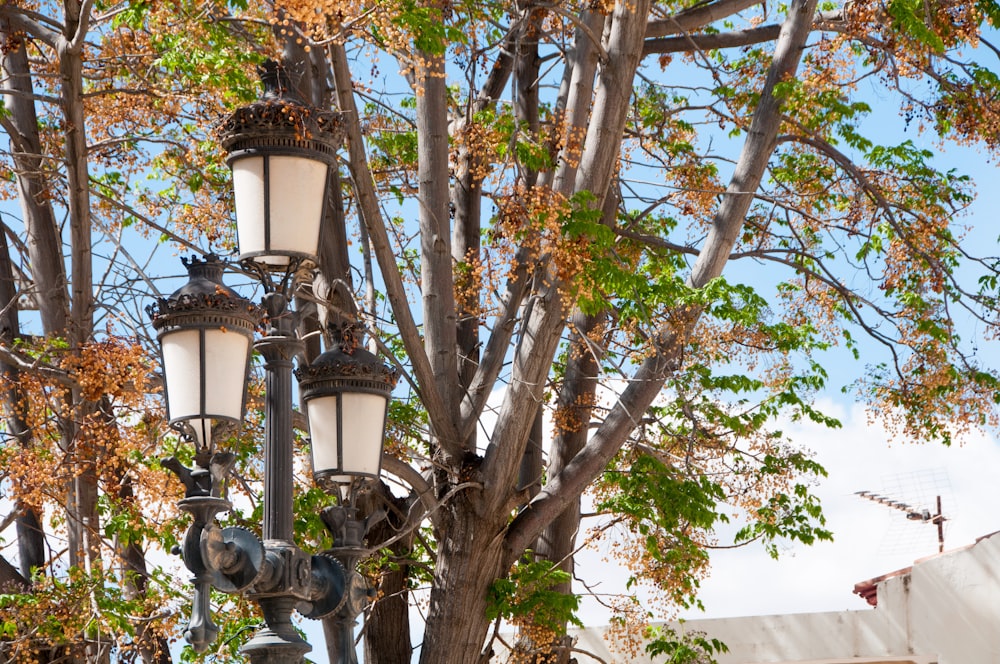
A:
[281,120]
[205,330]
[204,293]
[346,359]
[281,152]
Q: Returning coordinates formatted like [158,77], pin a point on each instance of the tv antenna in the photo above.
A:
[923,515]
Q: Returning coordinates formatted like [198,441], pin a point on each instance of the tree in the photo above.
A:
[640,226]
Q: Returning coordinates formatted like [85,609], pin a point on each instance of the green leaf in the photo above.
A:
[909,16]
[528,594]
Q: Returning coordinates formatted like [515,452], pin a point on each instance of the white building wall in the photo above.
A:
[954,604]
[946,610]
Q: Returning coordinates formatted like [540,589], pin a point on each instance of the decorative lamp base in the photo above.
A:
[269,647]
[276,642]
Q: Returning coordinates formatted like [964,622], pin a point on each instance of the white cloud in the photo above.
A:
[870,539]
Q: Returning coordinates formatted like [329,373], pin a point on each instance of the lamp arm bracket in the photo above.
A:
[205,479]
[200,631]
[234,555]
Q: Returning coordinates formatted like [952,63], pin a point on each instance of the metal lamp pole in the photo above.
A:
[279,592]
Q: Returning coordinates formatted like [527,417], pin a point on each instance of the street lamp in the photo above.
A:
[346,391]
[280,152]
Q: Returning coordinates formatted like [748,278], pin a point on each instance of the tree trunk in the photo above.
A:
[153,647]
[48,276]
[469,558]
[387,625]
[30,537]
[82,521]
[48,273]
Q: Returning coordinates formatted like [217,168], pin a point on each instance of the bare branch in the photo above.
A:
[35,365]
[707,42]
[32,23]
[33,97]
[695,18]
[368,206]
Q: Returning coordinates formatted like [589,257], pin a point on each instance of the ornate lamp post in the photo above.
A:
[280,152]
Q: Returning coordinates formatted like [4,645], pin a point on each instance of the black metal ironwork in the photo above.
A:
[272,570]
[281,123]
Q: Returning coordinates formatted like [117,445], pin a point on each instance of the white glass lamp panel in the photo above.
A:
[323,432]
[226,357]
[363,428]
[248,190]
[225,365]
[181,368]
[298,190]
[202,430]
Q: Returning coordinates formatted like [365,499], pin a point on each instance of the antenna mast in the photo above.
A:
[913,514]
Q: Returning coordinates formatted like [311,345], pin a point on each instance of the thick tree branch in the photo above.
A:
[33,365]
[10,92]
[576,94]
[467,203]
[419,485]
[368,206]
[648,380]
[32,24]
[757,148]
[77,174]
[583,25]
[546,318]
[30,535]
[707,42]
[695,18]
[10,579]
[82,19]
[624,417]
[437,284]
[575,97]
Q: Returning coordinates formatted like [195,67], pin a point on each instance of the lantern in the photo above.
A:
[346,391]
[280,152]
[205,330]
